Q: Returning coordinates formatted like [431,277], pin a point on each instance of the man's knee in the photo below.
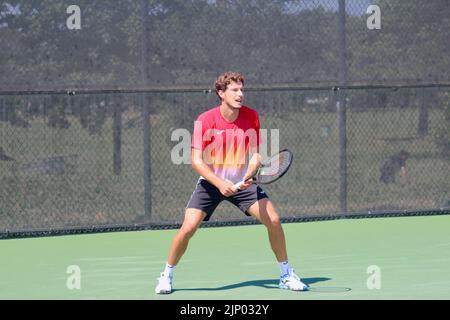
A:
[187,231]
[193,219]
[275,221]
[272,221]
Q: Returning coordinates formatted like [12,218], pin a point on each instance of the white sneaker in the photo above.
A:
[291,281]
[164,285]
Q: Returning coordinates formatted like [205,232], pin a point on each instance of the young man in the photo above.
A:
[222,141]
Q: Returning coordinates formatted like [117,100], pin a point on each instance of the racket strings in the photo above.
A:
[275,168]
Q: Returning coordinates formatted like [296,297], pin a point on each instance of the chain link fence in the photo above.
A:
[82,160]
[97,96]
[173,43]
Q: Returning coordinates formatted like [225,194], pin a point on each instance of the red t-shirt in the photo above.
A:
[225,145]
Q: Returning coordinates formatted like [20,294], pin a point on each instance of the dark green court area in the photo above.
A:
[382,258]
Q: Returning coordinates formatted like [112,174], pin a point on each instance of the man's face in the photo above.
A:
[233,96]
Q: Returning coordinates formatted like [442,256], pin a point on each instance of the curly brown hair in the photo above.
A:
[226,78]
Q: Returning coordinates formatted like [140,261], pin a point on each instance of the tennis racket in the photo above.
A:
[272,170]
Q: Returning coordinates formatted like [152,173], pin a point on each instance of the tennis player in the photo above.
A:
[225,151]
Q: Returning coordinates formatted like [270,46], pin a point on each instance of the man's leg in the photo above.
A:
[264,211]
[192,220]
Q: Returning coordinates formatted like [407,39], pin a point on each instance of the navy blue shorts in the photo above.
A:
[206,197]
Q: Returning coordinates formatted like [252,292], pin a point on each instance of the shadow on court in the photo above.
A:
[265,283]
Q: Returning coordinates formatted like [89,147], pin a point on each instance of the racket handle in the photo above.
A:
[236,186]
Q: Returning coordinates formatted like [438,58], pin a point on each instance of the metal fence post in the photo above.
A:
[423,115]
[146,112]
[147,158]
[342,153]
[117,137]
[341,109]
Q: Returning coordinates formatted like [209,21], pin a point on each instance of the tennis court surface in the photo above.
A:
[382,258]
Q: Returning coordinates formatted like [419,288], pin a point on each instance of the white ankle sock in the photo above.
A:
[168,271]
[284,267]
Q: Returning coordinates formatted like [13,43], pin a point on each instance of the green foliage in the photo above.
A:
[136,43]
[93,194]
[162,42]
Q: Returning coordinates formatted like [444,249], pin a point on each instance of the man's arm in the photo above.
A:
[253,165]
[225,187]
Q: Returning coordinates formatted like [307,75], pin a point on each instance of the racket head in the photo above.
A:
[275,168]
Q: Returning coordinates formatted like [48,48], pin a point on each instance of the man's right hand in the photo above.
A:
[226,188]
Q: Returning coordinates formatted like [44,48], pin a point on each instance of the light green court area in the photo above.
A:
[383,258]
